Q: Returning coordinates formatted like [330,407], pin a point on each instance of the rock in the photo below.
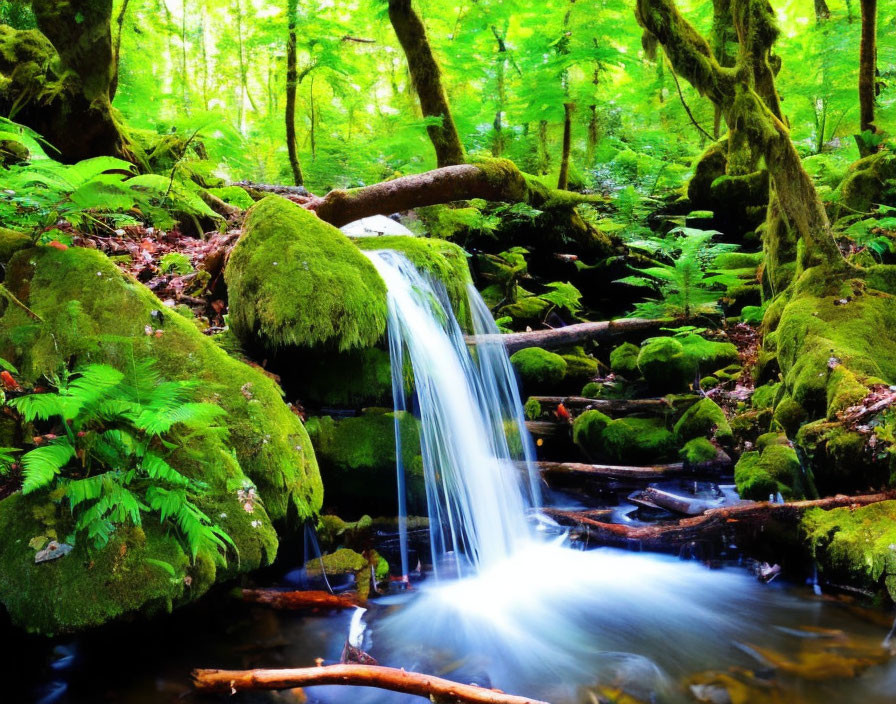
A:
[538,369]
[624,440]
[92,311]
[773,469]
[624,359]
[704,418]
[53,551]
[375,226]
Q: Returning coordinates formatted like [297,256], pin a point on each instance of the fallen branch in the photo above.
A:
[299,600]
[393,679]
[574,334]
[740,519]
[622,473]
[619,406]
[548,429]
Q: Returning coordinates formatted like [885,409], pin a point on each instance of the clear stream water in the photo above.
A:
[509,602]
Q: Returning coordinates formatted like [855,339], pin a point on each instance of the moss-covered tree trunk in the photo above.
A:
[62,88]
[746,95]
[427,80]
[500,67]
[292,80]
[867,70]
[563,180]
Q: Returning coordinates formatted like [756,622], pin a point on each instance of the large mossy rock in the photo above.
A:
[296,281]
[673,363]
[538,369]
[91,312]
[357,458]
[771,469]
[869,181]
[623,440]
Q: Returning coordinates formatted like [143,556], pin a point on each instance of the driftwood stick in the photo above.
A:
[613,472]
[299,600]
[574,334]
[390,678]
[740,519]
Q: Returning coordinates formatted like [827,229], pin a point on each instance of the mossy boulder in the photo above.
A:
[624,359]
[763,473]
[343,562]
[672,363]
[296,281]
[537,368]
[704,418]
[579,365]
[623,440]
[358,461]
[532,409]
[698,451]
[869,181]
[842,459]
[789,415]
[856,544]
[444,261]
[11,241]
[91,312]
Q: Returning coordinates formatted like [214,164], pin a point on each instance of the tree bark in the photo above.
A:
[69,104]
[119,21]
[621,406]
[494,180]
[743,519]
[427,80]
[867,71]
[748,99]
[292,80]
[299,600]
[822,12]
[498,141]
[563,180]
[435,688]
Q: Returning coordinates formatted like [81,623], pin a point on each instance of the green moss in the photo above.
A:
[526,309]
[11,242]
[532,409]
[295,280]
[637,440]
[233,195]
[663,364]
[702,419]
[775,469]
[538,368]
[856,542]
[343,562]
[624,359]
[789,415]
[444,261]
[578,364]
[351,379]
[866,183]
[698,451]
[737,261]
[93,312]
[772,438]
[765,396]
[708,354]
[709,382]
[587,430]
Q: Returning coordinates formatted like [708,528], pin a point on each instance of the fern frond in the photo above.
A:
[42,464]
[159,470]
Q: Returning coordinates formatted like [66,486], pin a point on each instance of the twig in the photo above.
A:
[8,295]
[681,97]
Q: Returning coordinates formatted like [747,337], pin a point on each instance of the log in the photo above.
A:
[548,429]
[299,600]
[677,503]
[610,472]
[393,679]
[619,406]
[574,334]
[740,519]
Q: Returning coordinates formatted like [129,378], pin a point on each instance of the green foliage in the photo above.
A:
[109,463]
[686,283]
[176,263]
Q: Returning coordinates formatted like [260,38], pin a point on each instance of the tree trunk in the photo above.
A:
[748,99]
[299,600]
[70,104]
[292,80]
[427,80]
[563,180]
[498,142]
[822,12]
[119,21]
[543,156]
[867,70]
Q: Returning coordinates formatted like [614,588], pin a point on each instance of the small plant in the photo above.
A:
[106,448]
[176,263]
[686,283]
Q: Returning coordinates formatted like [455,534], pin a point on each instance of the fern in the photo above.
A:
[111,463]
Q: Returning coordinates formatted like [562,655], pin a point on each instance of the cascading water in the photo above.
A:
[530,613]
[472,427]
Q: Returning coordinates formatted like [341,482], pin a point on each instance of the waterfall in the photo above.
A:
[477,455]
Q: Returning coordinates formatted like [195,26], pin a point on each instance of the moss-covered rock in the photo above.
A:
[663,364]
[357,459]
[761,474]
[538,368]
[624,359]
[343,562]
[704,418]
[293,280]
[856,543]
[579,365]
[623,440]
[842,459]
[765,396]
[532,409]
[789,415]
[11,242]
[868,181]
[92,312]
[444,261]
[698,451]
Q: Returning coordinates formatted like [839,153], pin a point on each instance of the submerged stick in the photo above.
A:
[390,678]
[299,600]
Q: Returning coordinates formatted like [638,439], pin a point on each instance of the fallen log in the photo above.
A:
[573,334]
[299,600]
[610,472]
[741,519]
[676,503]
[619,406]
[547,429]
[393,679]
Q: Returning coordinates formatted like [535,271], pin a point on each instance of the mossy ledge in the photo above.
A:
[92,312]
